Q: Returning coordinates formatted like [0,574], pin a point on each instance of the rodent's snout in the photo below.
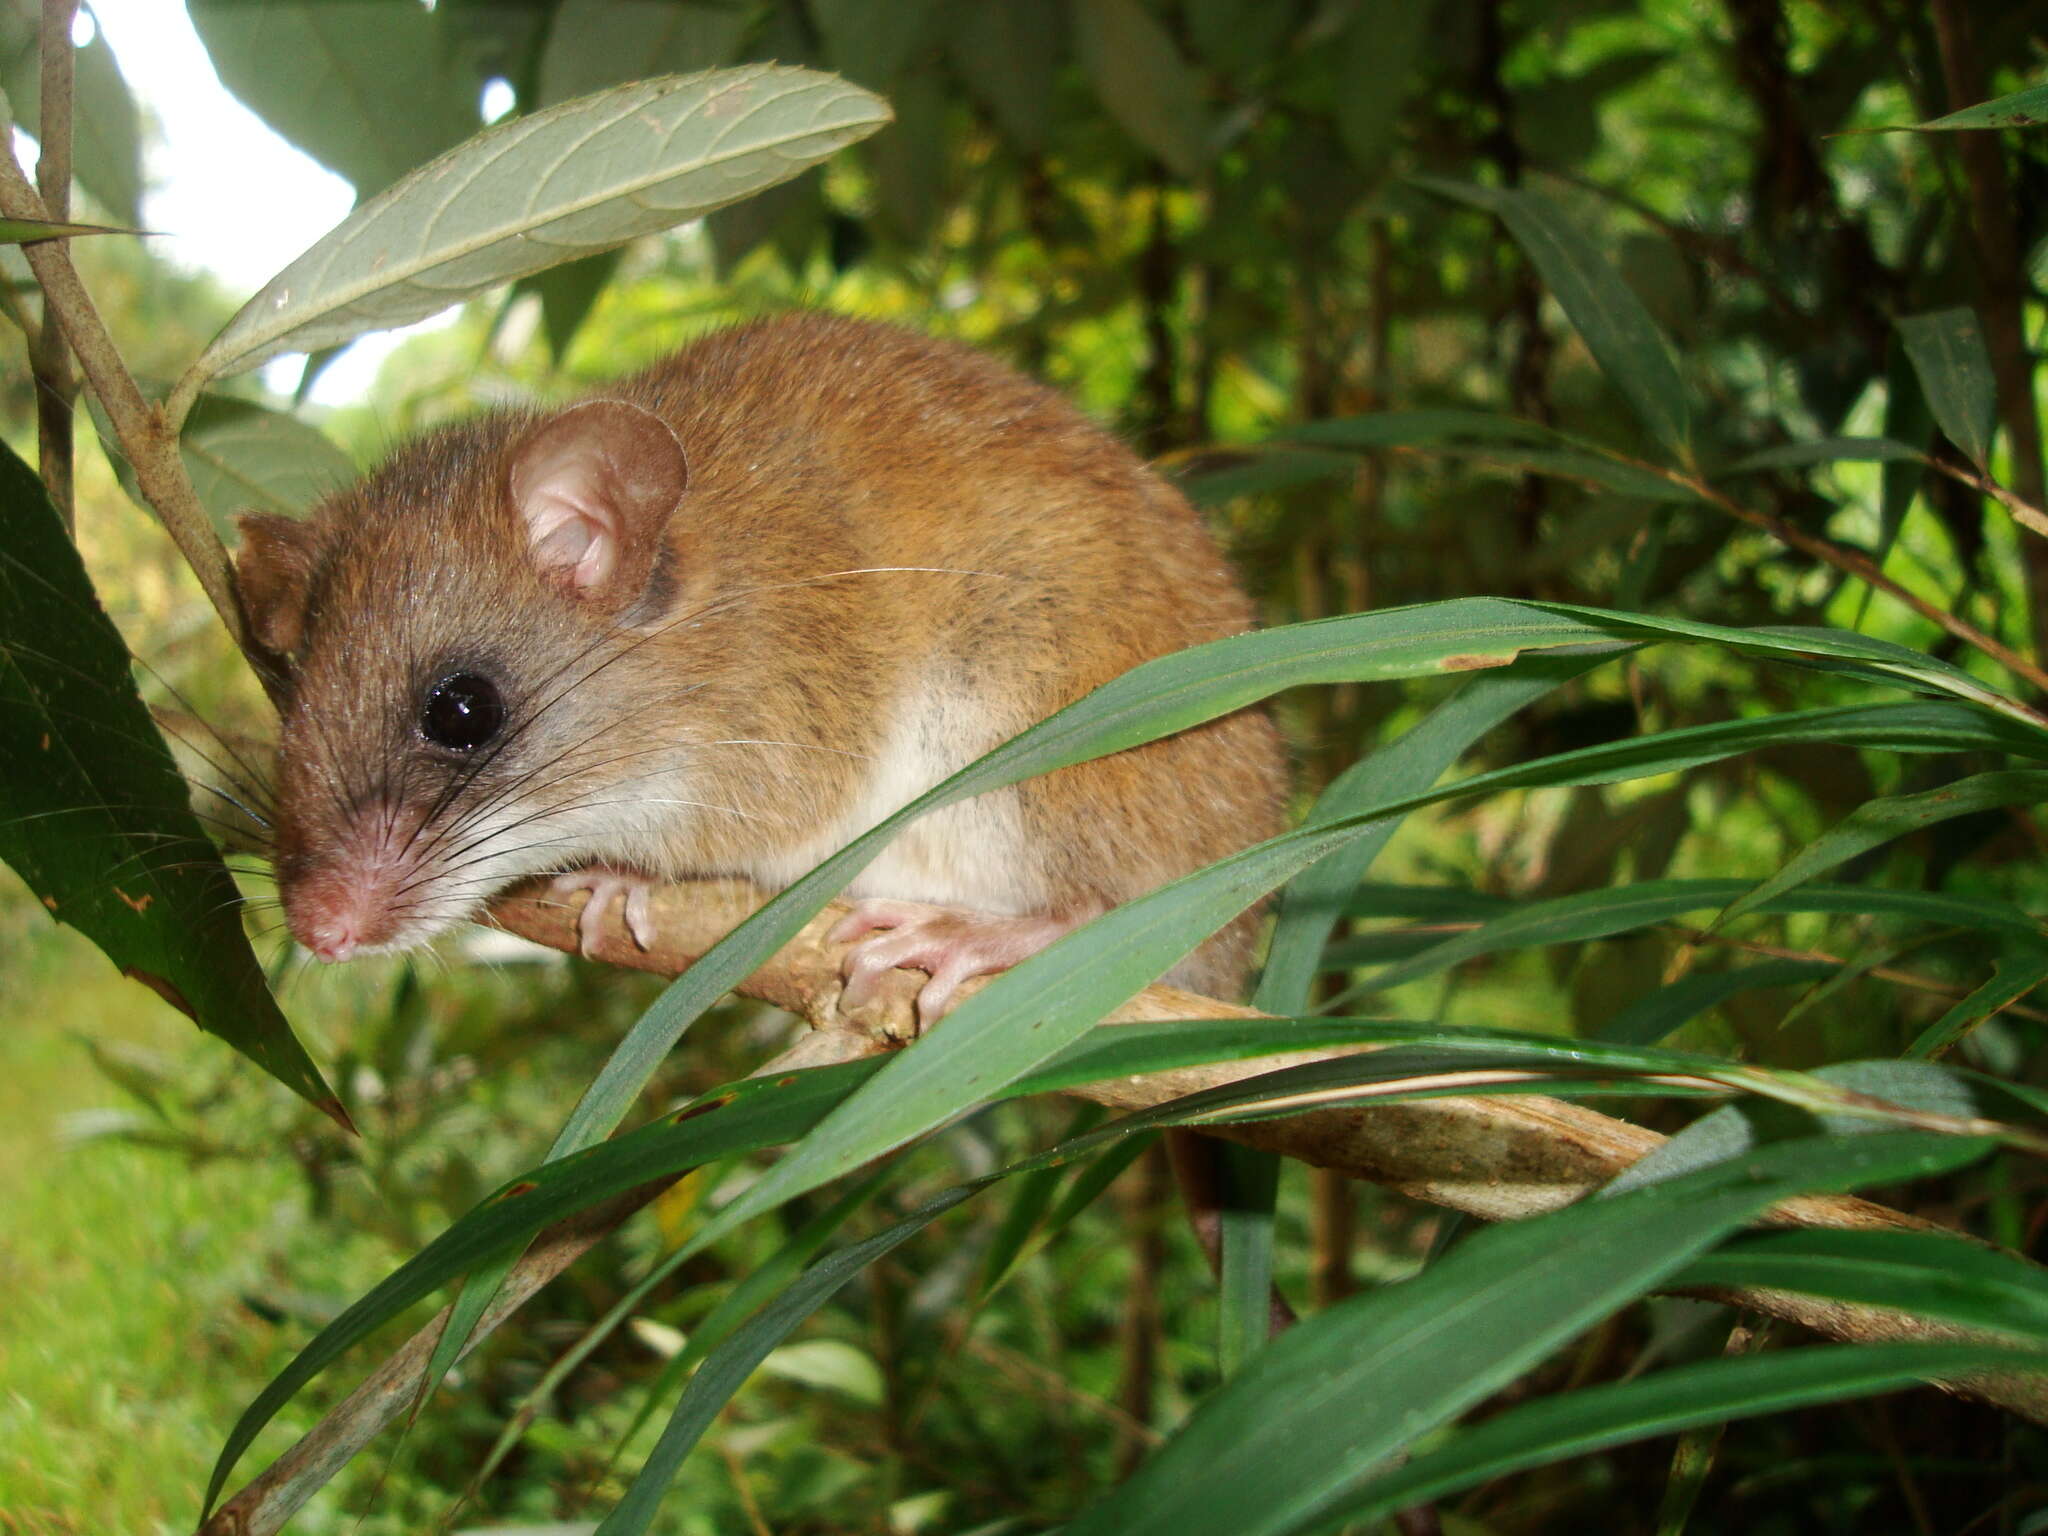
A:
[358,890]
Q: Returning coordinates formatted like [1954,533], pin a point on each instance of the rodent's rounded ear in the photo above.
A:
[274,572]
[594,488]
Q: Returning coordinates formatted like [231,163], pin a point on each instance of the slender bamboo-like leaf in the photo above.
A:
[728,1366]
[1618,331]
[2018,971]
[748,1294]
[1143,82]
[1423,429]
[1244,1289]
[1579,1423]
[1312,902]
[1911,1085]
[1922,1273]
[2026,108]
[1651,1019]
[1258,472]
[1828,450]
[93,813]
[1292,1439]
[24,231]
[1026,1210]
[761,1113]
[1947,350]
[1880,821]
[622,163]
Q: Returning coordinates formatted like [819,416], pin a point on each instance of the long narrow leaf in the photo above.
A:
[1293,1438]
[1918,1272]
[1709,1392]
[1884,820]
[1312,902]
[1618,330]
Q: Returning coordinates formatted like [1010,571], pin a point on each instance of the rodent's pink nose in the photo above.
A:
[333,920]
[333,940]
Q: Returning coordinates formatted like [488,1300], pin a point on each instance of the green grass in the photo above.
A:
[126,1345]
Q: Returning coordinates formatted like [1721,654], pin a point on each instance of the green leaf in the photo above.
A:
[872,41]
[1026,1209]
[728,1366]
[106,129]
[1619,332]
[623,163]
[567,295]
[1651,1019]
[25,231]
[2022,109]
[369,88]
[1591,1419]
[1008,52]
[1143,83]
[93,813]
[1311,903]
[1946,347]
[1251,1185]
[750,1292]
[1382,50]
[1325,1404]
[1828,450]
[244,457]
[1923,1273]
[744,1117]
[2016,973]
[1880,821]
[1439,428]
[1215,478]
[595,43]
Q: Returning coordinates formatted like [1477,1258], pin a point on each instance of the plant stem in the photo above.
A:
[56,387]
[145,437]
[1864,569]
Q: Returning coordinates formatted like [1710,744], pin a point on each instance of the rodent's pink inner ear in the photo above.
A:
[595,487]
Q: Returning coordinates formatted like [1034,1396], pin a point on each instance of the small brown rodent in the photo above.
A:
[725,616]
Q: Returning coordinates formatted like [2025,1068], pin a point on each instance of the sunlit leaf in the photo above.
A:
[622,163]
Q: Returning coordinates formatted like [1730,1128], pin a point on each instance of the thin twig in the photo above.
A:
[1891,973]
[1863,569]
[56,387]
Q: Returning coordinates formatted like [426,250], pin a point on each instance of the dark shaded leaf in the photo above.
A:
[93,813]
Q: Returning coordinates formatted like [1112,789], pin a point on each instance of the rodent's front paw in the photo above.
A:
[606,886]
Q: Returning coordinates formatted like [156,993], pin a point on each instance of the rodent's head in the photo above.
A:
[461,631]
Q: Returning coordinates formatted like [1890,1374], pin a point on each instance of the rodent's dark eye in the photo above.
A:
[462,712]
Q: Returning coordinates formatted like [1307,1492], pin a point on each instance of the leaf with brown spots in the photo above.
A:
[93,813]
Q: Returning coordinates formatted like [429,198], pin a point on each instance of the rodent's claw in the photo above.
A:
[605,886]
[950,947]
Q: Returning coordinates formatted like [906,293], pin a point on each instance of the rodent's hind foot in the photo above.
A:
[605,886]
[950,947]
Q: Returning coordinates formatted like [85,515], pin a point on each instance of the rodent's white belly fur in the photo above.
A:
[970,855]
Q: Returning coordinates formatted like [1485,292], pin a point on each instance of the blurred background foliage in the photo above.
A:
[1197,217]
